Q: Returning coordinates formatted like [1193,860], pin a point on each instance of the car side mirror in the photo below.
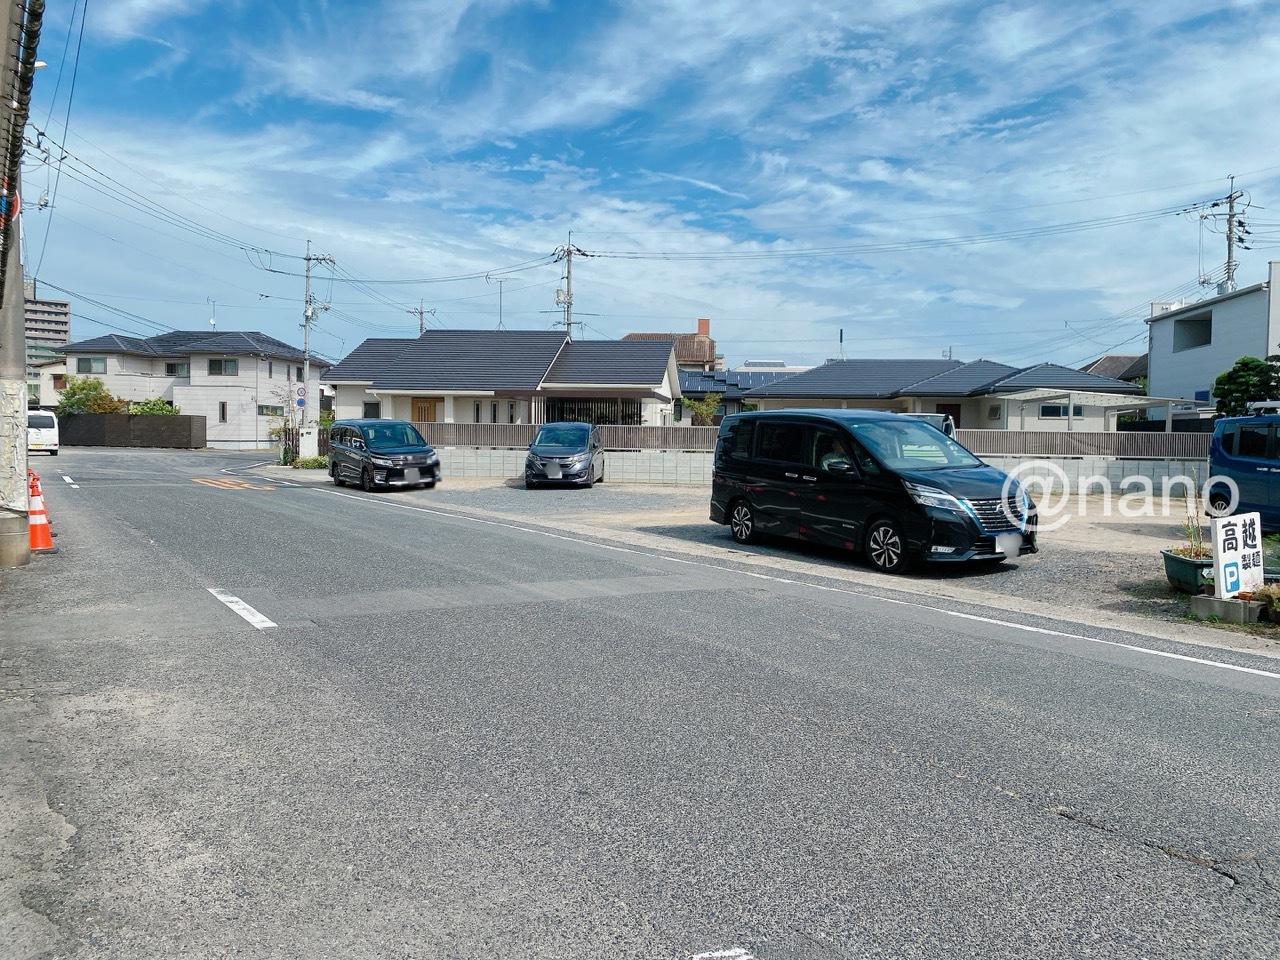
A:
[842,468]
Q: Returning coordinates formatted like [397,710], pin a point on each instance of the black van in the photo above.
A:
[868,480]
[377,453]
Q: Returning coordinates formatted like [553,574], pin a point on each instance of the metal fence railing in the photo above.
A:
[994,443]
[520,435]
[1080,443]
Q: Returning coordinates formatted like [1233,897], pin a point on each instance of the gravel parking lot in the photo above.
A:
[1094,569]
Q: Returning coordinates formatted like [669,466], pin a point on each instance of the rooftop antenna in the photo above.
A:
[213,321]
[842,343]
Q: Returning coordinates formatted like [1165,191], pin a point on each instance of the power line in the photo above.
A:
[66,123]
[898,246]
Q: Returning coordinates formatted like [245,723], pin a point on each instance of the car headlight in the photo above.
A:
[380,462]
[928,496]
[534,459]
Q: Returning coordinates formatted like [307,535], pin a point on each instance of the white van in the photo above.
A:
[42,432]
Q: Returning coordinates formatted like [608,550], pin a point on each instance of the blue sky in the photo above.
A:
[902,171]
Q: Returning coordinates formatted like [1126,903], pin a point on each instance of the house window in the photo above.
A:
[59,382]
[271,369]
[224,368]
[222,411]
[993,412]
[678,411]
[267,410]
[479,410]
[511,412]
[373,409]
[91,364]
[1058,411]
[298,373]
[494,411]
[1192,332]
[177,369]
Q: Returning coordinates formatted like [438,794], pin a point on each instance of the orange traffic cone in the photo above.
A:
[34,491]
[38,526]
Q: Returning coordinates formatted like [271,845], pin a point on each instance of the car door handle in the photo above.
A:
[807,477]
[792,476]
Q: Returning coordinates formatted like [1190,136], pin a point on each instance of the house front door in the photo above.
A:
[424,409]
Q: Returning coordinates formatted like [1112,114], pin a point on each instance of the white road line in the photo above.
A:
[734,953]
[236,471]
[74,485]
[818,586]
[242,608]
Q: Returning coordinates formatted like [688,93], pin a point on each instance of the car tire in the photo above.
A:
[1219,504]
[366,480]
[886,548]
[742,522]
[53,453]
[336,475]
[529,484]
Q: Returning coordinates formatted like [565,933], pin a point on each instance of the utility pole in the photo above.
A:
[564,298]
[17,71]
[308,445]
[421,314]
[1232,196]
[489,279]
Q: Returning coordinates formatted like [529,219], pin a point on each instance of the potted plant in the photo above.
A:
[1190,565]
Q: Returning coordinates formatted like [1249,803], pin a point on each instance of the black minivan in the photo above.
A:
[377,453]
[884,483]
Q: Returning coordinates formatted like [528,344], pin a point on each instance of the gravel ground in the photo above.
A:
[1094,569]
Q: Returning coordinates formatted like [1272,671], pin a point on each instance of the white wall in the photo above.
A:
[1243,325]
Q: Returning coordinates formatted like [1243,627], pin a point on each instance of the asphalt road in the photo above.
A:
[470,728]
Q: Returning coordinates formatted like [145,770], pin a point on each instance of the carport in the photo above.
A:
[1109,402]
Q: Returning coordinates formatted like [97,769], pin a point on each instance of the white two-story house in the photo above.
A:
[1190,345]
[240,382]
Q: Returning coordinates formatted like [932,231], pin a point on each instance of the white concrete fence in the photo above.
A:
[1096,474]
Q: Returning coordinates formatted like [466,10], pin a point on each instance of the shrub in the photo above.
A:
[311,463]
[88,395]
[155,406]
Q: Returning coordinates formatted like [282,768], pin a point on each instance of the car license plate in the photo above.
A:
[553,471]
[412,475]
[1009,544]
[36,446]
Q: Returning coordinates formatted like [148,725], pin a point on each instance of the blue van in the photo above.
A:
[1245,451]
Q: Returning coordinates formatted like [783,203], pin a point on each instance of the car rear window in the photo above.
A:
[40,421]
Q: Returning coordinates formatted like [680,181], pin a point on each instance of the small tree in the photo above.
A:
[1249,381]
[88,395]
[703,411]
[155,406]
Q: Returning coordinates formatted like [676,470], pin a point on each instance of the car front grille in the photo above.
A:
[409,461]
[999,516]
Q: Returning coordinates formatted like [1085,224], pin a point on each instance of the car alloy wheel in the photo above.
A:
[885,547]
[366,480]
[742,522]
[336,473]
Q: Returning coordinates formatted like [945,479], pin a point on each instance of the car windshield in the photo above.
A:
[387,435]
[562,435]
[39,422]
[911,445]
